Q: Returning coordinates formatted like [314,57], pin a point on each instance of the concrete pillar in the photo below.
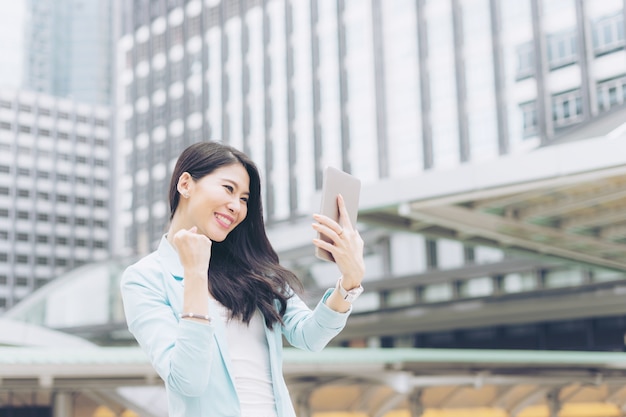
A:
[62,405]
[303,407]
[416,405]
[554,404]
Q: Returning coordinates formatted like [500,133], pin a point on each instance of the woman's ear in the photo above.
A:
[184,184]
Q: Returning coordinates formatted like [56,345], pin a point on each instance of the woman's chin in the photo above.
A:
[218,237]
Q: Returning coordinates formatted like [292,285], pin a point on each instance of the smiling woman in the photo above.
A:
[211,305]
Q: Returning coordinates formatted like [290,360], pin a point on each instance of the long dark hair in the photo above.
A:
[244,270]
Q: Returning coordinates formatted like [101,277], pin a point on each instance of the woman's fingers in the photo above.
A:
[344,216]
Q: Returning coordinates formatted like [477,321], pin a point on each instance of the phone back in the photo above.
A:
[335,182]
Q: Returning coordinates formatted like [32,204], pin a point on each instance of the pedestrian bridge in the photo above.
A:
[338,382]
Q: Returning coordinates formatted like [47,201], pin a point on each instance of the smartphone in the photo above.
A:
[335,182]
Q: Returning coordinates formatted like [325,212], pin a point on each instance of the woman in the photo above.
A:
[215,337]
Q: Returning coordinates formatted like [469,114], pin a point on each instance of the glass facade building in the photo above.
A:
[69,49]
[383,89]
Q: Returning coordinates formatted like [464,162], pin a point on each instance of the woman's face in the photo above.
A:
[218,202]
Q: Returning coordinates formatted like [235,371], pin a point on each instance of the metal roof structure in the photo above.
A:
[567,200]
[372,381]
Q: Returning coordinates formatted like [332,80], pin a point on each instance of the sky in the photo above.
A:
[11,42]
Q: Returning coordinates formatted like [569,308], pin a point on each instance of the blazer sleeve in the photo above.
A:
[179,350]
[312,329]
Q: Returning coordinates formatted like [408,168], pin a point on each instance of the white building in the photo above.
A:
[55,189]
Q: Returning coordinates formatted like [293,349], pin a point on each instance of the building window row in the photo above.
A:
[562,47]
[41,111]
[42,132]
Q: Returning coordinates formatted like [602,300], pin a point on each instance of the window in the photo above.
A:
[158,43]
[158,79]
[43,217]
[566,108]
[142,87]
[176,71]
[176,35]
[142,51]
[611,93]
[194,102]
[176,109]
[158,115]
[193,25]
[608,33]
[525,60]
[129,59]
[562,48]
[431,254]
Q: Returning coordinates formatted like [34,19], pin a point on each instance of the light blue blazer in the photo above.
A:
[191,357]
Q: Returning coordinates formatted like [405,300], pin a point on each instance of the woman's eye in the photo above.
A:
[244,199]
[229,188]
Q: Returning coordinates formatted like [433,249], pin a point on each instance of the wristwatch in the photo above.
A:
[349,295]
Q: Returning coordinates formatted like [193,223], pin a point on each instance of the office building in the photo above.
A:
[69,49]
[11,44]
[387,90]
[55,194]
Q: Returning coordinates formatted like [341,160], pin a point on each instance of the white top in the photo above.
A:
[249,356]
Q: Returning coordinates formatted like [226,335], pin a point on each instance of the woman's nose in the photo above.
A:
[234,205]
